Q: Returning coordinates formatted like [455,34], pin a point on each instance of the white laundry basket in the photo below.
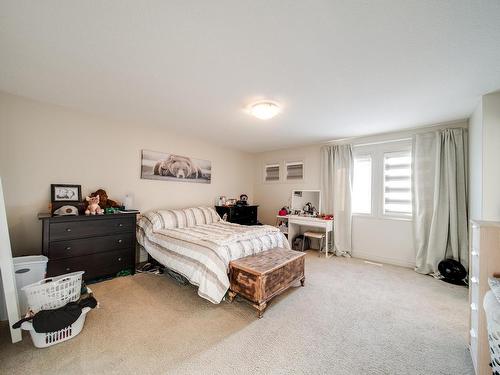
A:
[43,340]
[54,292]
[492,310]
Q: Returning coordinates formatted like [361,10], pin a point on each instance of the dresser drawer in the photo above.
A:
[85,246]
[244,211]
[94,265]
[77,229]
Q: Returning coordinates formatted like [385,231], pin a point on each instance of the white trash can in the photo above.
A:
[28,270]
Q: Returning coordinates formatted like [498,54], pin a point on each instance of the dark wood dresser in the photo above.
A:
[244,215]
[100,245]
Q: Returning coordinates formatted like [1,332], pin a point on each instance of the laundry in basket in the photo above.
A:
[49,295]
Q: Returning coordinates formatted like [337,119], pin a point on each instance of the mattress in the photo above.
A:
[202,252]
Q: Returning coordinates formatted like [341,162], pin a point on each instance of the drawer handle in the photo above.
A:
[68,269]
[119,259]
[68,248]
[474,280]
[68,229]
[120,240]
[120,224]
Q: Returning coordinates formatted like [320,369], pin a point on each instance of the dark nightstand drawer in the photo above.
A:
[78,229]
[245,215]
[85,246]
[94,265]
[247,220]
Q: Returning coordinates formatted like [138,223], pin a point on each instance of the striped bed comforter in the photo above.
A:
[202,252]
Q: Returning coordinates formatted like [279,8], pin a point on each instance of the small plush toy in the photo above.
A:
[104,201]
[93,206]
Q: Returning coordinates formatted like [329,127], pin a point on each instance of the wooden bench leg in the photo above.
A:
[302,281]
[260,309]
[231,295]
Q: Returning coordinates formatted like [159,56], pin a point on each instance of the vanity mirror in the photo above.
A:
[306,202]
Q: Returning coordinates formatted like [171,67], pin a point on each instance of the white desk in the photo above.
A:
[295,222]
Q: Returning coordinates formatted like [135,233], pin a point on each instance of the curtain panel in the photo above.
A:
[336,187]
[440,165]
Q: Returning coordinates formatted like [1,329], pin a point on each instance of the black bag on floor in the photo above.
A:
[46,321]
[297,243]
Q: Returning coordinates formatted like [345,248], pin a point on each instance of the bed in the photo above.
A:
[198,244]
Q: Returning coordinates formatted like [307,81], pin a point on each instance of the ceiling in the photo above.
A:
[339,68]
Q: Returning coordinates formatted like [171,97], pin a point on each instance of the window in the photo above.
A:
[362,185]
[382,174]
[272,173]
[397,183]
[294,170]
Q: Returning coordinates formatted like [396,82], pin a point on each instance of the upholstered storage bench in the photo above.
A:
[263,276]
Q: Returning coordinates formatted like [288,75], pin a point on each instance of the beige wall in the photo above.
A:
[491,157]
[271,196]
[42,144]
[476,163]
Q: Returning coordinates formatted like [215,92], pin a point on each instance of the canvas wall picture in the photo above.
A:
[172,167]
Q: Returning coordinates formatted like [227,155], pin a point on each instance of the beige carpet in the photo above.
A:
[350,318]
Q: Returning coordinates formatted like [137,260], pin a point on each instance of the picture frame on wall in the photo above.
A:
[65,193]
[171,167]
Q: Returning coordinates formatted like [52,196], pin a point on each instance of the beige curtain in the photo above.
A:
[440,198]
[336,188]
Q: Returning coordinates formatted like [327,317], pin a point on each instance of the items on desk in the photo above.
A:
[284,211]
[310,210]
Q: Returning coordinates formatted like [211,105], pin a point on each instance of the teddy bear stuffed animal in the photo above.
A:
[93,206]
[104,201]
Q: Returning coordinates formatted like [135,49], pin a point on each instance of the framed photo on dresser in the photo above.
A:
[65,193]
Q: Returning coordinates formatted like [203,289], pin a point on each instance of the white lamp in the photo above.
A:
[265,109]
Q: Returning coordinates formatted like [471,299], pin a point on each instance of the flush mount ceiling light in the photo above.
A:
[265,109]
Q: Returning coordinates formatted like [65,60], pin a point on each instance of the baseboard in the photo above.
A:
[382,259]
